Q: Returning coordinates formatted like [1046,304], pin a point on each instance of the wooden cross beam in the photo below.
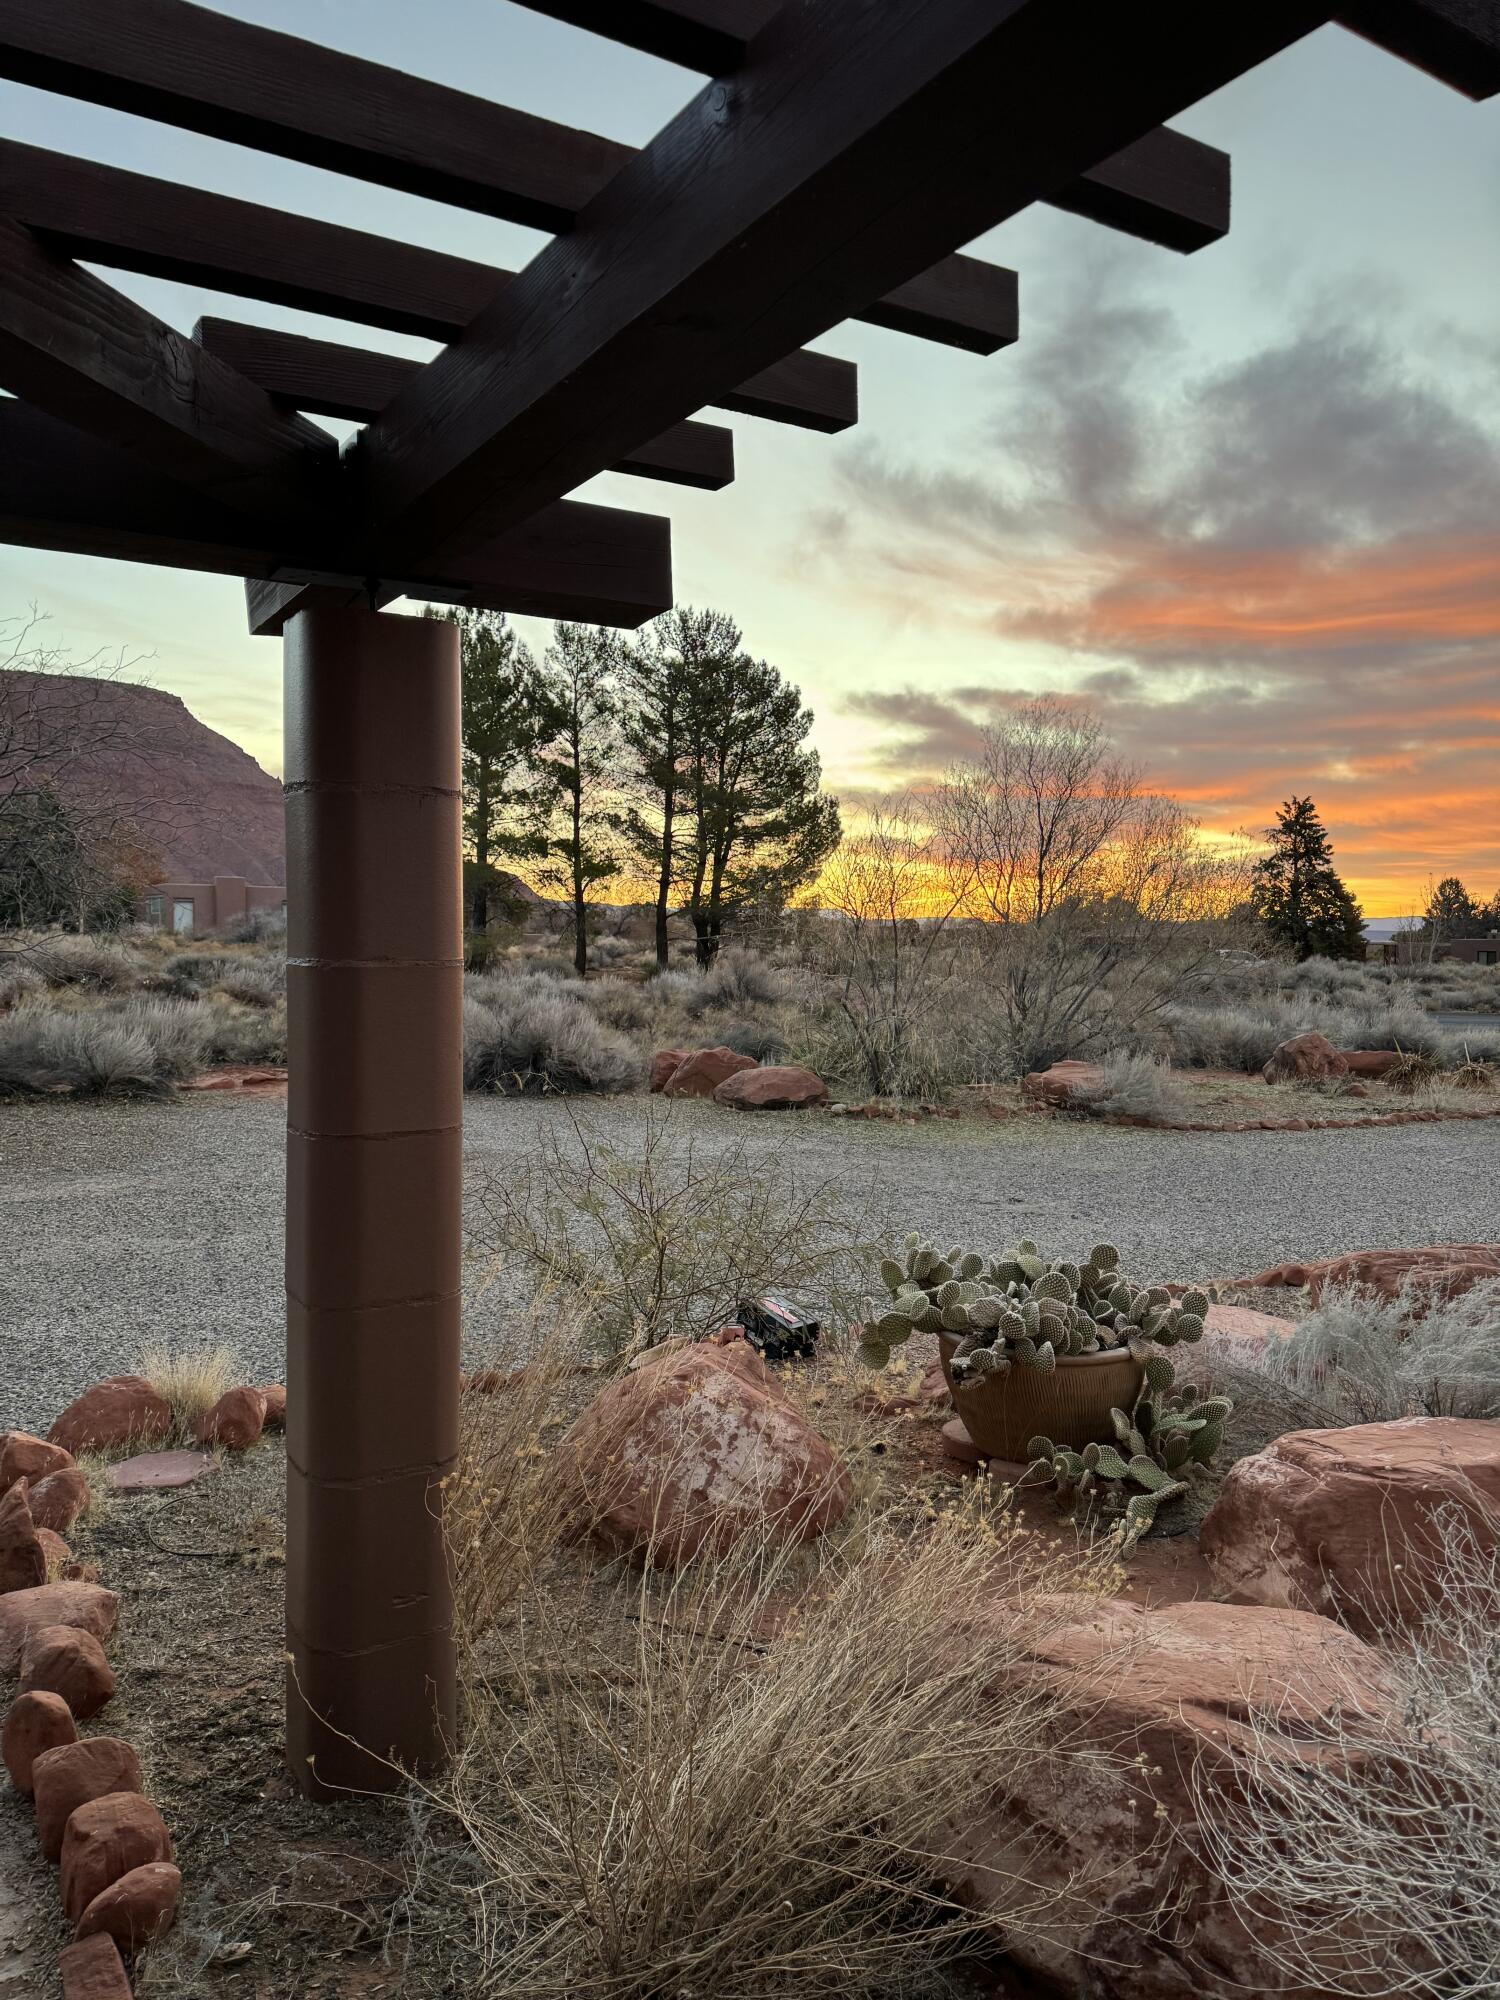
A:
[61,489]
[1457,41]
[857,148]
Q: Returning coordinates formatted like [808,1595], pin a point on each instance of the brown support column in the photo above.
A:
[374,1180]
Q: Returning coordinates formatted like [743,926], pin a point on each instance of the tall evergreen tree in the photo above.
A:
[582,765]
[1298,894]
[507,716]
[761,826]
[663,675]
[1451,911]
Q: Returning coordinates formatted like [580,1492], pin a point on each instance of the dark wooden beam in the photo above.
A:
[356,383]
[1457,41]
[1166,188]
[61,489]
[137,223]
[74,346]
[858,147]
[187,66]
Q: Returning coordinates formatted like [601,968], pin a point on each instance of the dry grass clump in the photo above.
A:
[530,1033]
[739,1782]
[1138,1086]
[1476,1073]
[1377,1873]
[665,1240]
[192,1380]
[1412,1072]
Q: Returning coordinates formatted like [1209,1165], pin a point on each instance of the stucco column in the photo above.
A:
[374,1180]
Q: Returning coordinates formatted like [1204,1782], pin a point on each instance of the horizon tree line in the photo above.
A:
[672,753]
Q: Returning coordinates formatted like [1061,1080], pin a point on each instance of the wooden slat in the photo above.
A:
[1166,188]
[61,489]
[137,223]
[188,66]
[72,345]
[1457,41]
[860,146]
[332,380]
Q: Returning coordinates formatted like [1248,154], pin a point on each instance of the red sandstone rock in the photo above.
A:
[1063,1084]
[1303,1058]
[151,1471]
[773,1087]
[23,1456]
[58,1500]
[1171,1686]
[55,1549]
[664,1066]
[83,1605]
[36,1722]
[124,1410]
[59,1659]
[275,1395]
[136,1910]
[1370,1062]
[1442,1271]
[1238,1335]
[92,1969]
[104,1840]
[696,1450]
[23,1562]
[235,1421]
[701,1073]
[69,1776]
[1349,1522]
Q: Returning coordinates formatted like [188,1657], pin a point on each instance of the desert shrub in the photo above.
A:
[764,1039]
[1223,1037]
[1361,1359]
[177,1031]
[258,982]
[244,1035]
[674,987]
[529,1033]
[1375,1867]
[256,926]
[1138,1086]
[667,1238]
[101,964]
[19,980]
[191,974]
[1476,1073]
[611,950]
[191,1379]
[621,1005]
[698,1790]
[738,979]
[1411,1073]
[44,1049]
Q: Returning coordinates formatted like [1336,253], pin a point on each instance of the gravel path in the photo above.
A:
[126,1223]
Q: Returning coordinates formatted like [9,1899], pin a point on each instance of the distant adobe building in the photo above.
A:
[1402,941]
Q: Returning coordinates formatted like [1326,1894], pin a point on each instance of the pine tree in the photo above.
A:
[1451,911]
[662,676]
[582,765]
[1297,893]
[761,826]
[507,715]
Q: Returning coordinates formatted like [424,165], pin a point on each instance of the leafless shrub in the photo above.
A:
[19,980]
[741,1780]
[531,1033]
[43,1049]
[667,1239]
[256,926]
[244,1035]
[1137,1086]
[67,959]
[1373,1872]
[258,982]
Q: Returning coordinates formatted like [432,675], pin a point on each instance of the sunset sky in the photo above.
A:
[1247,502]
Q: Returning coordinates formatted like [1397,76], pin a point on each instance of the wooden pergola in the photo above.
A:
[833,167]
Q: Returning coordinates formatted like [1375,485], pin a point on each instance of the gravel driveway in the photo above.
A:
[126,1223]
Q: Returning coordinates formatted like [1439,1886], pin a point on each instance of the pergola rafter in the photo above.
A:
[835,168]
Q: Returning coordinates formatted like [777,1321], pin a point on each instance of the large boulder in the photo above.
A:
[60,1659]
[84,1605]
[23,1562]
[122,1411]
[1370,1062]
[235,1421]
[23,1456]
[138,1909]
[91,1969]
[1164,1695]
[698,1449]
[775,1087]
[57,1501]
[65,1778]
[1304,1059]
[1352,1522]
[701,1073]
[34,1723]
[664,1066]
[1442,1270]
[1064,1084]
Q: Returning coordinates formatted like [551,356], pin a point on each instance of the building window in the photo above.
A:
[153,909]
[1489,958]
[182,914]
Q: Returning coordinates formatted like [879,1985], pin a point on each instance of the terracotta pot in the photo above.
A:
[1003,1413]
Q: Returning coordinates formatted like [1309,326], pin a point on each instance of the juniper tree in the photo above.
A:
[1451,911]
[1298,894]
